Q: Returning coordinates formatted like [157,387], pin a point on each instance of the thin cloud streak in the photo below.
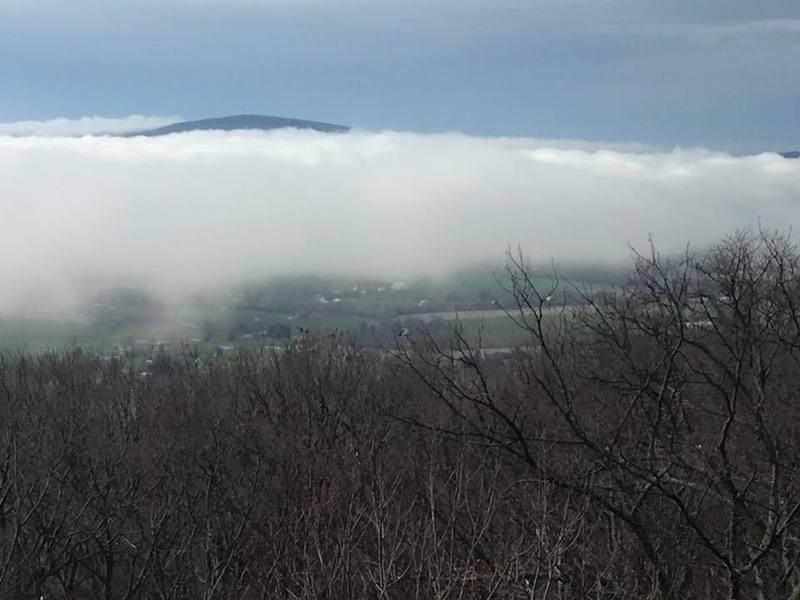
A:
[188,212]
[84,126]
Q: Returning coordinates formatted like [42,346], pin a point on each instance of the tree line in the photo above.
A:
[642,445]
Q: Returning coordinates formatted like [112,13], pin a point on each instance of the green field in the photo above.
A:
[372,311]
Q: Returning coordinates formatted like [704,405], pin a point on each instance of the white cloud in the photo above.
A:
[188,211]
[84,126]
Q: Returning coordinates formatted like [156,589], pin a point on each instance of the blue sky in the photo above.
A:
[671,73]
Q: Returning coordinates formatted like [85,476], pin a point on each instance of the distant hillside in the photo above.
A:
[790,154]
[258,122]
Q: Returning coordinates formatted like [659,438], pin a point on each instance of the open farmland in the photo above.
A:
[491,313]
[372,311]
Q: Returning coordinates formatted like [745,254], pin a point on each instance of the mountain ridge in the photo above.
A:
[240,122]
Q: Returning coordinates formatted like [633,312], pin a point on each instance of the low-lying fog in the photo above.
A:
[186,212]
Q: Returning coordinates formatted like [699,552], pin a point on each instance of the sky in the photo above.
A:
[718,74]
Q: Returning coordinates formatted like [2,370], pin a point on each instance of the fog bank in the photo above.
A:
[185,212]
